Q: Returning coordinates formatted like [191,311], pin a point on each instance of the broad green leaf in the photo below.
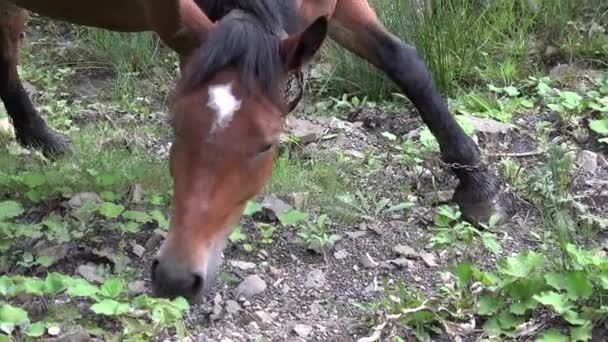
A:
[582,333]
[557,301]
[82,288]
[110,307]
[137,216]
[521,265]
[292,217]
[54,283]
[522,307]
[7,286]
[524,289]
[12,315]
[110,210]
[599,126]
[574,318]
[237,235]
[509,321]
[34,179]
[252,208]
[36,330]
[488,305]
[33,286]
[578,285]
[491,243]
[492,327]
[552,336]
[10,209]
[160,219]
[556,280]
[112,288]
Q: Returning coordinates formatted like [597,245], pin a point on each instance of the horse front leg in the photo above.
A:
[355,26]
[30,128]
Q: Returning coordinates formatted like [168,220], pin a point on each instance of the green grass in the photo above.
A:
[467,41]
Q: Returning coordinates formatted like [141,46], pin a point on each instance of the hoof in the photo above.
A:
[480,213]
[51,143]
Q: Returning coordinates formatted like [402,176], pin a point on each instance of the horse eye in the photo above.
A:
[265,148]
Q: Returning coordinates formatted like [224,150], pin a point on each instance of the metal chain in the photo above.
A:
[471,168]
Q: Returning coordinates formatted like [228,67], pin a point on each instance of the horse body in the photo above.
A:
[228,108]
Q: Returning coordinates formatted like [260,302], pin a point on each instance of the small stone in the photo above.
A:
[400,262]
[341,254]
[354,154]
[253,326]
[137,287]
[262,317]
[429,259]
[273,206]
[232,307]
[6,126]
[217,307]
[406,251]
[438,197]
[138,249]
[368,262]
[587,161]
[315,279]
[489,126]
[302,330]
[550,51]
[298,199]
[54,330]
[242,265]
[137,193]
[153,241]
[251,286]
[57,252]
[89,273]
[81,199]
[356,234]
[303,130]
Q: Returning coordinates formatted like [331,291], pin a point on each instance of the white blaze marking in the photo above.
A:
[224,103]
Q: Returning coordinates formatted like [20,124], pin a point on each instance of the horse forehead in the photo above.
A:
[224,103]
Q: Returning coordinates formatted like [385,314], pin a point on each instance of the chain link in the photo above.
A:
[471,168]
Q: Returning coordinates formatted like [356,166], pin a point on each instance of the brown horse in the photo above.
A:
[229,108]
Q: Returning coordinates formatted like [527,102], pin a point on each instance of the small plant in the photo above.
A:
[317,236]
[451,231]
[266,232]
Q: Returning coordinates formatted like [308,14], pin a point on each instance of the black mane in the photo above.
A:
[247,38]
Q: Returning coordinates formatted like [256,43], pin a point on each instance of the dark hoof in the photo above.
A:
[480,213]
[51,143]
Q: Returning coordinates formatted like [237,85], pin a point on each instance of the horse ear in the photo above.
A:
[298,49]
[194,20]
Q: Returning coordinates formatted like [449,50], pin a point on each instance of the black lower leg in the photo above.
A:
[478,186]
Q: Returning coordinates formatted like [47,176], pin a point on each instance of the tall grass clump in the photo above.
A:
[462,42]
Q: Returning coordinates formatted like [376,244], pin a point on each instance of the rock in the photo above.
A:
[489,126]
[6,126]
[302,330]
[242,265]
[356,234]
[587,161]
[251,286]
[153,241]
[217,307]
[438,197]
[303,130]
[298,199]
[262,317]
[273,206]
[137,193]
[31,91]
[82,198]
[137,287]
[429,259]
[368,262]
[57,252]
[138,249]
[341,254]
[70,334]
[232,307]
[315,279]
[400,262]
[406,251]
[551,51]
[355,154]
[89,273]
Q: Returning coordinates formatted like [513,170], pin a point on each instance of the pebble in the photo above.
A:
[406,251]
[302,330]
[368,262]
[232,307]
[429,259]
[341,254]
[315,279]
[89,273]
[242,265]
[250,286]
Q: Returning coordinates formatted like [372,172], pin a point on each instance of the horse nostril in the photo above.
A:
[153,269]
[197,283]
